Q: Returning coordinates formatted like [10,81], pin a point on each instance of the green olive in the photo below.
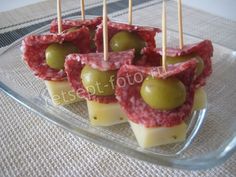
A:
[163,94]
[101,83]
[125,40]
[179,59]
[56,54]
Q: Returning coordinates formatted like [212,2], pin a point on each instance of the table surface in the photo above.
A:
[31,146]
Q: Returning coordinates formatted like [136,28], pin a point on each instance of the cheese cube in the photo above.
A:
[61,92]
[150,137]
[200,99]
[105,114]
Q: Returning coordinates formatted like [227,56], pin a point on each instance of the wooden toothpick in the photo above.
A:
[164,35]
[181,39]
[130,19]
[59,16]
[105,31]
[82,9]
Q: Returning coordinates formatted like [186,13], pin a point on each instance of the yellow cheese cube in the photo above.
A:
[105,114]
[150,137]
[61,92]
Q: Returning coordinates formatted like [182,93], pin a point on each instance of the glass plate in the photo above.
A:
[211,137]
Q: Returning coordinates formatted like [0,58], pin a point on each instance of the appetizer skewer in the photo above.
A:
[155,103]
[45,55]
[200,97]
[159,102]
[93,77]
[202,55]
[60,92]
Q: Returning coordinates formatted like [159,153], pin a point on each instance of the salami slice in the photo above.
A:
[146,33]
[129,81]
[204,50]
[34,47]
[75,63]
[67,24]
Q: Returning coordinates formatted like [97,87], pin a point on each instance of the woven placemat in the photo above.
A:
[31,146]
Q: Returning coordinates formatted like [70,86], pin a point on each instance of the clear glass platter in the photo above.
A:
[211,137]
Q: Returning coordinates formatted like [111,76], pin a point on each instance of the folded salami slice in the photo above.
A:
[75,63]
[34,47]
[204,50]
[129,82]
[146,33]
[67,24]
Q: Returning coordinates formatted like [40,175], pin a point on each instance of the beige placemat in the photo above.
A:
[31,146]
[39,12]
